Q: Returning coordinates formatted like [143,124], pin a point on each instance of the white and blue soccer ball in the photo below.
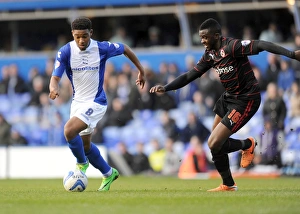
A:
[75,181]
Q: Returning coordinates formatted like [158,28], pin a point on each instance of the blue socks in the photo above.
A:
[97,160]
[76,146]
[93,155]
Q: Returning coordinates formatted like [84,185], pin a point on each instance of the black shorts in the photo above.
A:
[236,112]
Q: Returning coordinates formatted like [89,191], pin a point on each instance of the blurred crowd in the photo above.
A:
[155,133]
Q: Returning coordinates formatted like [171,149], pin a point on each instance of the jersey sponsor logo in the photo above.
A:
[245,42]
[86,68]
[57,64]
[224,70]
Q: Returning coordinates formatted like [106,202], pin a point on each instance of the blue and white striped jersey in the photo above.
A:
[85,69]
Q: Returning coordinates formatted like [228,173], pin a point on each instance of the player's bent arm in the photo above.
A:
[275,49]
[131,55]
[54,87]
[182,80]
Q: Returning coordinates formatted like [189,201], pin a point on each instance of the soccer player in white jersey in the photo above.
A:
[83,60]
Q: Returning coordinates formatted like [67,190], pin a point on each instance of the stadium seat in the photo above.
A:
[111,136]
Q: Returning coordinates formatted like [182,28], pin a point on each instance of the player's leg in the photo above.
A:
[231,144]
[219,142]
[238,115]
[218,137]
[96,113]
[71,131]
[94,156]
[110,174]
[234,120]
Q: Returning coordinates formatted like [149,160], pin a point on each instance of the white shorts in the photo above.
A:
[90,113]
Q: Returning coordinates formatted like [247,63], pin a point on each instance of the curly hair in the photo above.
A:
[212,25]
[81,23]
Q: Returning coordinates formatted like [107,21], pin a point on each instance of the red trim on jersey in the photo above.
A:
[229,63]
[232,51]
[243,48]
[251,47]
[253,93]
[199,70]
[233,88]
[248,72]
[246,63]
[228,80]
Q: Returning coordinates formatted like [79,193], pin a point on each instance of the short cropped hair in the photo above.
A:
[212,25]
[81,23]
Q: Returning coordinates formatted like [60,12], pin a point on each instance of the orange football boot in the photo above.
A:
[248,154]
[223,188]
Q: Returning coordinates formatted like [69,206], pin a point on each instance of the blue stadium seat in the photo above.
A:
[111,136]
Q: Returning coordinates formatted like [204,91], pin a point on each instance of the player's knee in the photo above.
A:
[214,143]
[69,133]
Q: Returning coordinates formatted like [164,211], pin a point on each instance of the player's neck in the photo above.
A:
[88,44]
[218,45]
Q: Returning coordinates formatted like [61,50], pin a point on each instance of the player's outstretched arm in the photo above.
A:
[131,55]
[277,49]
[177,83]
[54,87]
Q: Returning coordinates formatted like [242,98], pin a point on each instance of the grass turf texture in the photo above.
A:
[139,194]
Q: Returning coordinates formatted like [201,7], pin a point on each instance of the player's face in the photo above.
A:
[208,39]
[82,38]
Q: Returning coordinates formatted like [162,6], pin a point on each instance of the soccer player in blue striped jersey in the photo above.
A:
[83,60]
[241,99]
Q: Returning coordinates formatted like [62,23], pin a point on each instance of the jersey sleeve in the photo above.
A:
[242,48]
[204,64]
[111,49]
[61,61]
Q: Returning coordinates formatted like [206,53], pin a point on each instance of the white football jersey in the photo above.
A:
[85,69]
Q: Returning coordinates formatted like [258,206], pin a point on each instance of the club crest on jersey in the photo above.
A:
[222,53]
[245,42]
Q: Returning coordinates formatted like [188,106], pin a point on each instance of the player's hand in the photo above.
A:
[53,95]
[140,80]
[157,88]
[297,55]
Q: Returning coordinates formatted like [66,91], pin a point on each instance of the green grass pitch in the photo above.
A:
[157,195]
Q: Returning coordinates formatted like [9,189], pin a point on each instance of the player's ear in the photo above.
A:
[91,32]
[217,36]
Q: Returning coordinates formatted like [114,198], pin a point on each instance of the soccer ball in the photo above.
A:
[75,181]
